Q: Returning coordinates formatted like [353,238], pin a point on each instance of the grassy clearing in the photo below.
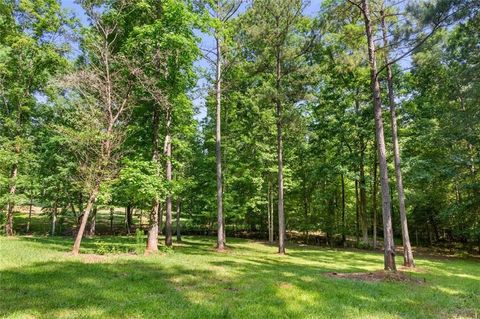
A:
[38,279]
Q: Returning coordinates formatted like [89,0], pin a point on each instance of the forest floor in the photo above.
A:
[40,279]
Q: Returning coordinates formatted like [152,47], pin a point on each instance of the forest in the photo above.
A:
[194,150]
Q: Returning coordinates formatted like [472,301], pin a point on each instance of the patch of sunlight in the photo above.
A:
[90,312]
[306,278]
[378,315]
[17,315]
[88,281]
[467,276]
[295,298]
[449,290]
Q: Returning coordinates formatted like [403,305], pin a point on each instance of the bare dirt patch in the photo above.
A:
[378,276]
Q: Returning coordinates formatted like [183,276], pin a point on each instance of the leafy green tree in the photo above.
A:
[31,54]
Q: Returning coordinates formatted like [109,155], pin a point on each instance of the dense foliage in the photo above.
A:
[105,114]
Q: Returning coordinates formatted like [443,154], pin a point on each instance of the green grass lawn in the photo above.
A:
[39,279]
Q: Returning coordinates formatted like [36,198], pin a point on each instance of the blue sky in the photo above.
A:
[207,42]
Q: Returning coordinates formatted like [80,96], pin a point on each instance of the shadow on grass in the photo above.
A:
[248,281]
[128,289]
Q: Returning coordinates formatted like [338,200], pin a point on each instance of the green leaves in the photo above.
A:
[139,183]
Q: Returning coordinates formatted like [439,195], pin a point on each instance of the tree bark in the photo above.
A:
[160,218]
[111,220]
[408,260]
[93,221]
[179,206]
[344,226]
[363,200]
[218,146]
[168,155]
[54,218]
[389,246]
[374,200]
[357,214]
[270,213]
[128,213]
[362,222]
[83,224]
[152,239]
[279,115]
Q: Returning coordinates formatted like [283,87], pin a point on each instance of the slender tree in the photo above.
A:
[408,260]
[280,40]
[221,11]
[389,245]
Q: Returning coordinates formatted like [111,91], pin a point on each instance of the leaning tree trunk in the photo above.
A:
[408,260]
[218,146]
[83,223]
[389,245]
[281,212]
[168,155]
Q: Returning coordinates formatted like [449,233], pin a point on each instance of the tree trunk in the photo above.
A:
[168,155]
[128,212]
[93,221]
[160,219]
[54,218]
[281,212]
[363,200]
[111,220]
[408,260]
[218,146]
[152,239]
[179,206]
[389,246]
[374,200]
[357,214]
[269,212]
[83,224]
[29,213]
[305,210]
[271,234]
[344,226]
[362,223]
[11,203]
